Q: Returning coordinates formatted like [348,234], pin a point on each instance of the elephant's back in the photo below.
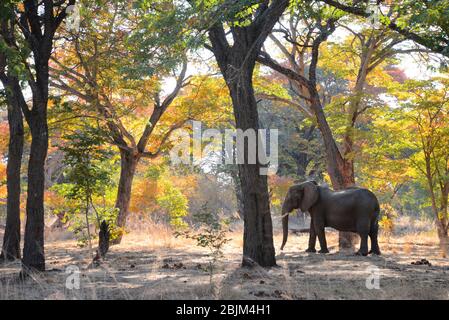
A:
[357,197]
[356,191]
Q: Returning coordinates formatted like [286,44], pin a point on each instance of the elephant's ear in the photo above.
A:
[310,196]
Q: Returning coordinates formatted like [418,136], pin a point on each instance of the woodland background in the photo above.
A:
[357,89]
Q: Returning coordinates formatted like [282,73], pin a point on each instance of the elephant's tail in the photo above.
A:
[375,219]
[374,227]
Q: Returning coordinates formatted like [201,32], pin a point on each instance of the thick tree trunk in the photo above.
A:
[347,240]
[354,112]
[440,219]
[128,164]
[341,172]
[238,194]
[11,238]
[238,191]
[237,63]
[40,20]
[339,168]
[443,238]
[103,239]
[258,231]
[33,251]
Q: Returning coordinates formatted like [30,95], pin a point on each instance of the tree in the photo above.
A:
[384,164]
[323,24]
[29,31]
[105,69]
[426,110]
[424,22]
[87,175]
[249,24]
[370,48]
[9,77]
[300,144]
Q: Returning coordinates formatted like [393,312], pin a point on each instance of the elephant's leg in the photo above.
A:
[319,229]
[363,244]
[312,238]
[374,230]
[363,228]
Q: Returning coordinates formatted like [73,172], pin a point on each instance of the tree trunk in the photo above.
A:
[103,240]
[238,193]
[258,231]
[341,172]
[236,64]
[40,20]
[354,112]
[443,237]
[33,251]
[347,240]
[128,164]
[440,222]
[11,238]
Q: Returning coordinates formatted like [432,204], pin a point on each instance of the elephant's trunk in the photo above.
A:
[284,228]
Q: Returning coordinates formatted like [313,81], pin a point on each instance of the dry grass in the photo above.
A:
[152,264]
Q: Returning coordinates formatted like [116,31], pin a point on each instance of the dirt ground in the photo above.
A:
[155,265]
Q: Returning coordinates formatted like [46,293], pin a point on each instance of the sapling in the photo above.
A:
[209,231]
[87,174]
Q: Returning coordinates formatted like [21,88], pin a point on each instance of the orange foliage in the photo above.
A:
[187,184]
[2,183]
[20,7]
[146,190]
[4,137]
[54,200]
[278,188]
[144,195]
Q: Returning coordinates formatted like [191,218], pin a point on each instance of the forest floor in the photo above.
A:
[155,265]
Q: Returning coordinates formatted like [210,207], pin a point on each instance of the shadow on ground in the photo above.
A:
[182,273]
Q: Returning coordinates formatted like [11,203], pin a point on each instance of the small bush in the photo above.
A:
[209,231]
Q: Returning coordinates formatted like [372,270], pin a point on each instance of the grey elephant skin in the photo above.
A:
[353,210]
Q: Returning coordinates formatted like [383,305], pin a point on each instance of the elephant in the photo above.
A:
[353,209]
